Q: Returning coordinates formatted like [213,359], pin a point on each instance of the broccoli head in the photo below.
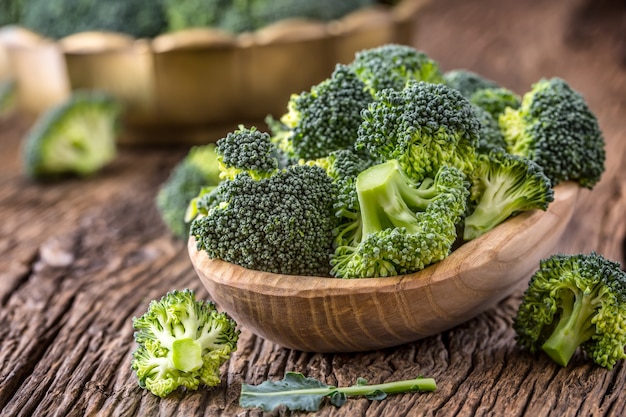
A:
[77,136]
[280,224]
[393,66]
[575,301]
[489,134]
[198,170]
[181,342]
[467,82]
[555,128]
[424,126]
[10,11]
[402,226]
[59,18]
[504,185]
[247,150]
[324,119]
[495,100]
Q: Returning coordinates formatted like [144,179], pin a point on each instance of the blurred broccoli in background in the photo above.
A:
[59,18]
[10,11]
[8,93]
[77,136]
[197,170]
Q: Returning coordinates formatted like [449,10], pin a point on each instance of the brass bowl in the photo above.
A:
[195,85]
[318,314]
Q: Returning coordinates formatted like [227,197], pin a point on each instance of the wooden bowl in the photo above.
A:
[318,314]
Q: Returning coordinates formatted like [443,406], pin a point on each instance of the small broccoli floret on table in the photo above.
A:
[181,342]
[575,301]
[393,66]
[402,225]
[77,136]
[467,82]
[280,224]
[504,185]
[324,119]
[555,128]
[8,98]
[424,126]
[198,170]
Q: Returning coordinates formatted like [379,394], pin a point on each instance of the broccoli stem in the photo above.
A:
[573,328]
[186,355]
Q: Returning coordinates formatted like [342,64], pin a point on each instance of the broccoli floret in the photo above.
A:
[10,11]
[424,126]
[249,150]
[403,226]
[555,128]
[198,170]
[504,185]
[324,119]
[59,18]
[184,14]
[575,301]
[280,224]
[77,136]
[182,342]
[393,66]
[489,134]
[467,82]
[495,100]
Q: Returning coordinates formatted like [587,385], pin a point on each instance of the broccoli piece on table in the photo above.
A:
[324,119]
[467,82]
[181,342]
[77,136]
[196,171]
[8,98]
[393,66]
[504,185]
[555,128]
[280,224]
[424,126]
[59,18]
[495,100]
[402,226]
[575,301]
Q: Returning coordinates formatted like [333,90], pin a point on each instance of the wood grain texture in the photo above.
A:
[79,259]
[320,314]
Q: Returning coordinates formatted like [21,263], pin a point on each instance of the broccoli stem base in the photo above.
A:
[573,329]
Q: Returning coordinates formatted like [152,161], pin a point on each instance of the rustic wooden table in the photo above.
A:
[80,258]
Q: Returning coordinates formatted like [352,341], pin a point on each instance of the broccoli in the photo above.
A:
[555,128]
[575,301]
[495,100]
[8,98]
[59,18]
[489,134]
[77,136]
[424,126]
[184,14]
[10,11]
[247,150]
[504,185]
[324,119]
[196,171]
[282,223]
[392,66]
[181,342]
[467,82]
[402,226]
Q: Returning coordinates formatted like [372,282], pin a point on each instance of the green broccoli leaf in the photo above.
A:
[300,393]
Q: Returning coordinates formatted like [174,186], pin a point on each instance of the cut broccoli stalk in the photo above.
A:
[77,136]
